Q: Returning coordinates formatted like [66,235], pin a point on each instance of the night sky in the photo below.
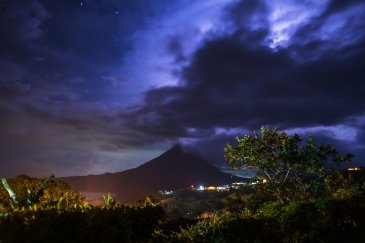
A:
[95,86]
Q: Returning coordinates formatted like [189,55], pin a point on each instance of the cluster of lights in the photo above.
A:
[235,185]
[355,168]
[165,192]
[210,188]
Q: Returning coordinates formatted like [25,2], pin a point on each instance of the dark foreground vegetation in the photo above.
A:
[54,212]
[298,200]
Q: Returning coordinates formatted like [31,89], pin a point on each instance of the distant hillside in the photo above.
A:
[173,169]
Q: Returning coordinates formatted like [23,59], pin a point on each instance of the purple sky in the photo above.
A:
[88,87]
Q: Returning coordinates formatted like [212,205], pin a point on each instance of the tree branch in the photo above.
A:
[267,174]
[287,173]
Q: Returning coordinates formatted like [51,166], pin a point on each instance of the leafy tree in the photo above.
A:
[291,166]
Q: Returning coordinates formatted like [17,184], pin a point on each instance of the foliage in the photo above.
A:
[29,192]
[294,169]
[301,201]
[69,221]
[226,227]
[94,224]
[249,216]
[188,204]
[109,201]
[280,222]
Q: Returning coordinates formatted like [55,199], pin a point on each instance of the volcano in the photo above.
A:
[174,169]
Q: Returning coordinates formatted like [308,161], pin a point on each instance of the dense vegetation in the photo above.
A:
[51,211]
[299,199]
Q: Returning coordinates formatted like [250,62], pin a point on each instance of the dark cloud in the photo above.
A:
[229,83]
[235,80]
[21,20]
[47,44]
[20,27]
[334,33]
[338,6]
